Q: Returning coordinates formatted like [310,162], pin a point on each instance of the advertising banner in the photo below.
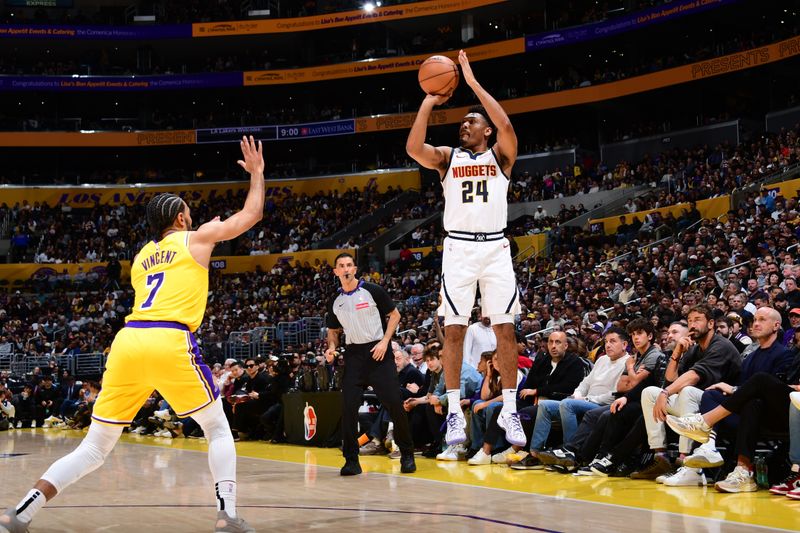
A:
[223,135]
[111,33]
[36,271]
[192,193]
[371,67]
[39,139]
[336,20]
[622,24]
[207,80]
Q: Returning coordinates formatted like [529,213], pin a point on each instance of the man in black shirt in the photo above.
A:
[361,310]
[247,413]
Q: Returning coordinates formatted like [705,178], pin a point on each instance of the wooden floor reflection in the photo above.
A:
[150,484]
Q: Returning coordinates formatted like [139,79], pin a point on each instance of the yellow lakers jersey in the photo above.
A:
[169,284]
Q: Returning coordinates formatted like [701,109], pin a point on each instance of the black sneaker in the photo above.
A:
[558,456]
[625,469]
[528,463]
[602,466]
[658,466]
[407,463]
[351,468]
[431,452]
[561,469]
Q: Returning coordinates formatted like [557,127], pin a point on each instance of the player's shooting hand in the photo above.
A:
[438,99]
[466,69]
[379,350]
[253,156]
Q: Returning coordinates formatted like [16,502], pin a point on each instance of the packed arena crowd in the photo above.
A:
[730,273]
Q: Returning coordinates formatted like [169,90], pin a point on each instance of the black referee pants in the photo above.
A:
[360,371]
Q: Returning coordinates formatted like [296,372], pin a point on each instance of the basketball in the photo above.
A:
[438,75]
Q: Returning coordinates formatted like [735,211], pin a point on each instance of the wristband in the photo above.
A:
[664,392]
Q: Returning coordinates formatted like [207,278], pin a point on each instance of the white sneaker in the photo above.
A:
[454,452]
[480,458]
[686,477]
[33,424]
[704,456]
[19,424]
[163,414]
[740,480]
[510,423]
[456,429]
[690,426]
[502,458]
[795,398]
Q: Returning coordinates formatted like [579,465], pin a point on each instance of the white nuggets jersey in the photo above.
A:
[475,190]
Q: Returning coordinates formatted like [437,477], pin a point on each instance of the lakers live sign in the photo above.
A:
[313,418]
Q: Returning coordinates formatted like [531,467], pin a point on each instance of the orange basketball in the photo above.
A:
[438,75]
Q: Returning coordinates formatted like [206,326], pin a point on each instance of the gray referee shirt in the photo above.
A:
[361,313]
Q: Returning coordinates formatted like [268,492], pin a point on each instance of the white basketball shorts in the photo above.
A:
[488,264]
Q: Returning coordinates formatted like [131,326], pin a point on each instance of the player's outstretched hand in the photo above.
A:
[466,69]
[253,156]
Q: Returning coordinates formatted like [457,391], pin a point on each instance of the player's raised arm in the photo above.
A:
[218,230]
[506,147]
[434,157]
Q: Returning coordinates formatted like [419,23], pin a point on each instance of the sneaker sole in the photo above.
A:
[597,472]
[779,492]
[701,463]
[537,467]
[695,484]
[793,496]
[733,491]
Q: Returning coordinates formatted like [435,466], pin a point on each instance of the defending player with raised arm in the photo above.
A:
[475,178]
[157,350]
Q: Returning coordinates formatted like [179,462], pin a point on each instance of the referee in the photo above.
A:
[361,310]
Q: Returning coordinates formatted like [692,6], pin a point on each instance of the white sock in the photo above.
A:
[454,401]
[30,505]
[509,401]
[221,455]
[226,497]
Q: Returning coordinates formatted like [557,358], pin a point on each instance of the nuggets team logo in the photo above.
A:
[309,421]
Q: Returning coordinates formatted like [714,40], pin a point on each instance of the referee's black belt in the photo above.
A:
[475,237]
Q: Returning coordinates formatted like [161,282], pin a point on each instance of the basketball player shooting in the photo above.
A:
[156,350]
[475,180]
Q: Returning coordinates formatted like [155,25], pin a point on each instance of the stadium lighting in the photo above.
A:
[369,7]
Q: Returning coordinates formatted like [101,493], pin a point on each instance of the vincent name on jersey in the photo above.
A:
[159,258]
[474,171]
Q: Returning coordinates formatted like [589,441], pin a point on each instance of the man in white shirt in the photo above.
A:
[478,339]
[597,389]
[540,213]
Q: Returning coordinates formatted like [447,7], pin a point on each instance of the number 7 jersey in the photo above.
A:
[475,193]
[169,284]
